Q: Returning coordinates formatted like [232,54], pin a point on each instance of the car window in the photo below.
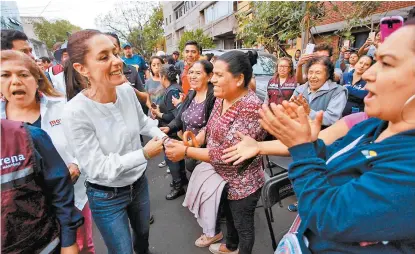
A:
[265,66]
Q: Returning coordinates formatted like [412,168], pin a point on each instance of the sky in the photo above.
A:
[79,12]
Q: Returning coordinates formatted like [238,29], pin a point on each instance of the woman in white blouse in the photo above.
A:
[104,123]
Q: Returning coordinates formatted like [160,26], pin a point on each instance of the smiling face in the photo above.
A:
[191,54]
[347,55]
[317,76]
[18,85]
[225,85]
[284,68]
[390,81]
[198,77]
[103,66]
[363,65]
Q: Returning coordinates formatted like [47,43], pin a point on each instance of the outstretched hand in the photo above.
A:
[246,149]
[289,131]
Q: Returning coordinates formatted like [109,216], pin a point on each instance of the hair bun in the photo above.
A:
[252,56]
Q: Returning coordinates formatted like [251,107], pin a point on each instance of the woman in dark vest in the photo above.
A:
[165,113]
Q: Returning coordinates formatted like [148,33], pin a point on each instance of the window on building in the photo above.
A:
[166,22]
[170,18]
[218,10]
[169,40]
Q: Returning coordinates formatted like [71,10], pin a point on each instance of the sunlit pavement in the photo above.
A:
[175,229]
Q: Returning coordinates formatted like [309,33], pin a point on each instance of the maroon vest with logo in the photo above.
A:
[27,225]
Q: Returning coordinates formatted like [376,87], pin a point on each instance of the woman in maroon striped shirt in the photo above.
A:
[282,85]
[236,109]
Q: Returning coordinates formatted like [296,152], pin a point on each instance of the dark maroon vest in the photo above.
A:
[27,225]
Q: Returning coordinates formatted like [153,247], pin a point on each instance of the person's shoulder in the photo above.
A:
[38,135]
[75,106]
[251,101]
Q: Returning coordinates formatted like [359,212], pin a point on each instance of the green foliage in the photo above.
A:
[137,22]
[153,30]
[196,35]
[272,22]
[52,32]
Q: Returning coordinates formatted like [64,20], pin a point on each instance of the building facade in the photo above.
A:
[39,48]
[216,18]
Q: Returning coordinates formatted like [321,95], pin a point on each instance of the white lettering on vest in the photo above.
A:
[14,159]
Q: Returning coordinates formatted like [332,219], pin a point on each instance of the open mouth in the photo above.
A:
[115,73]
[18,92]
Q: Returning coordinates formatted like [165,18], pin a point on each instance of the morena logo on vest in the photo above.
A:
[12,161]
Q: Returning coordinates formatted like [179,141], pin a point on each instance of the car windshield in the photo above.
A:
[265,66]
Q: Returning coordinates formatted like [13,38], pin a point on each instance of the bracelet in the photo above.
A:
[185,151]
[146,156]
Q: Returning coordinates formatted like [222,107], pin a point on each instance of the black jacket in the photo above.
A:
[132,76]
[166,106]
[177,124]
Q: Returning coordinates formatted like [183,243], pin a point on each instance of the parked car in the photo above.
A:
[263,70]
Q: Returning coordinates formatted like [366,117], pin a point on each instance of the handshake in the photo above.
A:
[154,147]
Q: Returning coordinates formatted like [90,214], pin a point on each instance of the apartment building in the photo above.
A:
[39,48]
[216,18]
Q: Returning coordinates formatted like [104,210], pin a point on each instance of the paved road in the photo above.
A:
[175,229]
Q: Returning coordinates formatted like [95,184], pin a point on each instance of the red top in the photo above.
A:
[221,134]
[185,79]
[278,92]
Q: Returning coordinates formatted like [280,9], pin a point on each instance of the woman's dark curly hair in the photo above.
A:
[170,72]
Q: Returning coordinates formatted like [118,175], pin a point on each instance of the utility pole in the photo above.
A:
[306,26]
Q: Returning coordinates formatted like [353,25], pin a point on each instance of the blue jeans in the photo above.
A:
[114,210]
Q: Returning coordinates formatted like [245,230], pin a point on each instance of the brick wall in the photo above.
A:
[333,17]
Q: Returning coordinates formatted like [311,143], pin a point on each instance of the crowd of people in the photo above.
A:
[73,151]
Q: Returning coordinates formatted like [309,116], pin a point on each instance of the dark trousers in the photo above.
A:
[177,170]
[240,223]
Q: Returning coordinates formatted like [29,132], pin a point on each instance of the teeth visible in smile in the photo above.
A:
[115,73]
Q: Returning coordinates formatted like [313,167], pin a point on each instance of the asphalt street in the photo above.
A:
[175,229]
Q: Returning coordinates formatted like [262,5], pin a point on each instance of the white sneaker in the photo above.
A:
[162,164]
[168,171]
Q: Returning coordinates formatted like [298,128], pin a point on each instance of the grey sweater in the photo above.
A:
[331,98]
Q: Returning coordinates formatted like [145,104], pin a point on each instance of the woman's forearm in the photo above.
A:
[201,154]
[274,147]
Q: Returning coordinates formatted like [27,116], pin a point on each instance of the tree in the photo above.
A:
[272,23]
[153,31]
[136,22]
[196,35]
[52,32]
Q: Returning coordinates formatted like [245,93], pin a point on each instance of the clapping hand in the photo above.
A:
[301,101]
[290,132]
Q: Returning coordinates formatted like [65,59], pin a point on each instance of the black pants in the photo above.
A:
[240,222]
